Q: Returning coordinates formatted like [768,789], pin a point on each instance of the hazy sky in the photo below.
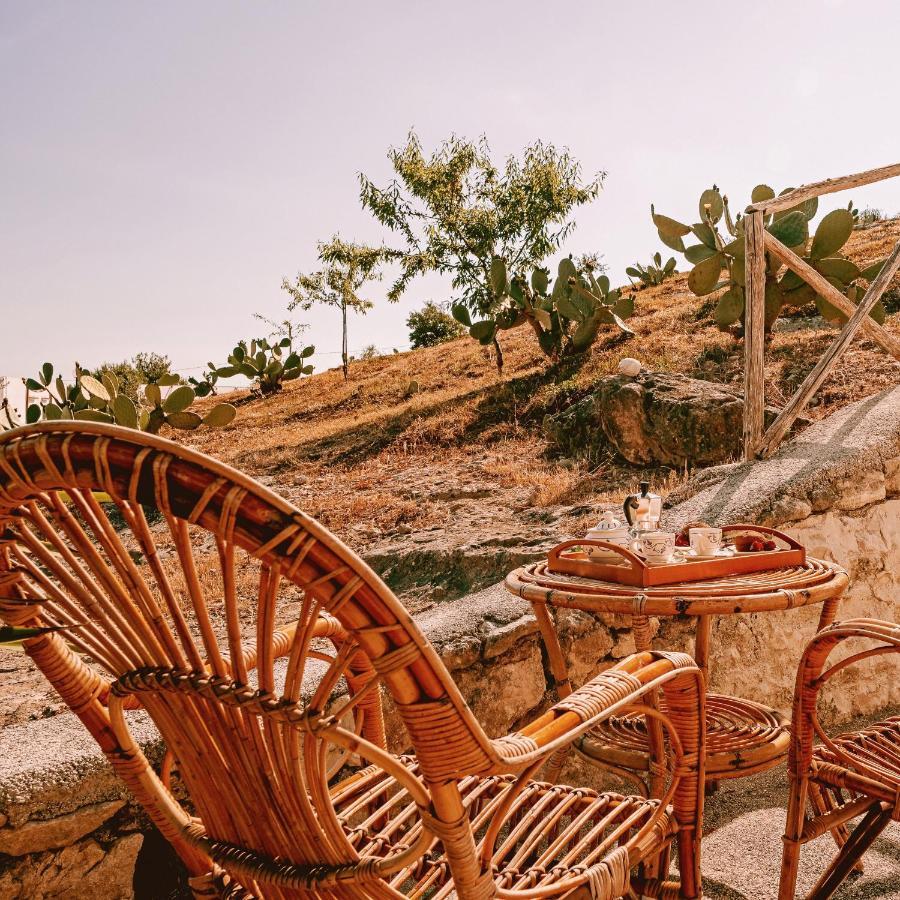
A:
[164,164]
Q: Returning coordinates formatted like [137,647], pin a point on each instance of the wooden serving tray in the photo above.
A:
[632,570]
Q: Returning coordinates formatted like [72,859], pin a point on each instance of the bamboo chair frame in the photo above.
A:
[852,775]
[253,743]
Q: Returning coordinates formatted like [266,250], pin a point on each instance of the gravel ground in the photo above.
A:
[744,821]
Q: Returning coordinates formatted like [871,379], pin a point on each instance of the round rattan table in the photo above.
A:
[743,737]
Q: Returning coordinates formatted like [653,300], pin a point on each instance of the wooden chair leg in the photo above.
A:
[822,805]
[872,824]
[793,830]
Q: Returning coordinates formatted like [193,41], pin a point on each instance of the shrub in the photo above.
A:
[655,273]
[430,326]
[869,216]
[267,364]
[566,318]
[132,374]
[94,399]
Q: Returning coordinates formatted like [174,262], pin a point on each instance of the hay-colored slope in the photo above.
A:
[461,400]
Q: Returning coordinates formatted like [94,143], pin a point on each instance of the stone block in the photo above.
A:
[861,489]
[84,869]
[45,834]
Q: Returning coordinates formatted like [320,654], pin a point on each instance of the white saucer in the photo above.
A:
[721,553]
[661,561]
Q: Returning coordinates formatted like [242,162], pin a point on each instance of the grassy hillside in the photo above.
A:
[348,451]
[447,489]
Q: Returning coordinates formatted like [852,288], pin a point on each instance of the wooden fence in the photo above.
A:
[758,242]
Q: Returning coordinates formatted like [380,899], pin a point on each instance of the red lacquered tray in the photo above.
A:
[632,570]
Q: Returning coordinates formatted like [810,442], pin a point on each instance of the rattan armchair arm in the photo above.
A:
[612,691]
[812,675]
[621,689]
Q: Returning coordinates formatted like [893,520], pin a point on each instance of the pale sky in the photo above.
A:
[164,164]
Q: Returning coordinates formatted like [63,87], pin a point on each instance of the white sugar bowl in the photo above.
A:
[611,530]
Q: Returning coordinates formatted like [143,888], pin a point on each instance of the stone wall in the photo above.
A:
[68,828]
[836,488]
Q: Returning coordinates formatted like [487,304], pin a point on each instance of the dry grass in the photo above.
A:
[347,451]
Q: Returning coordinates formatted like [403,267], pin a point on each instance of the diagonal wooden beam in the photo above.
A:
[779,428]
[870,328]
[828,186]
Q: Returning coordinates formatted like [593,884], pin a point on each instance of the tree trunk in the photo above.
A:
[499,353]
[345,363]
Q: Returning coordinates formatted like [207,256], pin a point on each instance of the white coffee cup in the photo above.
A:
[705,541]
[656,546]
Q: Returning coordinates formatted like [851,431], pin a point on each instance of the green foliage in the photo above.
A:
[430,326]
[869,216]
[347,267]
[654,273]
[132,374]
[370,351]
[566,318]
[456,211]
[718,260]
[205,385]
[267,364]
[101,399]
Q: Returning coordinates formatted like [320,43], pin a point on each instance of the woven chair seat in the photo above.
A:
[874,754]
[551,832]
[742,736]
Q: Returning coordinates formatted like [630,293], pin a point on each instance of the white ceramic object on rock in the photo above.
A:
[630,366]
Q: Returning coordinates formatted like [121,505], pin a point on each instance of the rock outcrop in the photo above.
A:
[655,418]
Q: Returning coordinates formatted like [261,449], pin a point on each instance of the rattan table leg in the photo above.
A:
[558,668]
[561,682]
[701,645]
[829,611]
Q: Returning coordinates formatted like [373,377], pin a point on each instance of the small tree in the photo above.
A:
[132,374]
[284,328]
[430,326]
[347,267]
[457,211]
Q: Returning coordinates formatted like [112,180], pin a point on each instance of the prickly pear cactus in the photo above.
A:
[566,317]
[653,274]
[267,365]
[98,400]
[718,260]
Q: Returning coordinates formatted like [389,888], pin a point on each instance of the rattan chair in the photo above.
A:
[151,584]
[843,778]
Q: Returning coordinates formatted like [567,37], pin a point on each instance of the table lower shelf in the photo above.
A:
[743,738]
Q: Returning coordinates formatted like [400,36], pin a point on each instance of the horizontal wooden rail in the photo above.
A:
[828,186]
[870,328]
[779,428]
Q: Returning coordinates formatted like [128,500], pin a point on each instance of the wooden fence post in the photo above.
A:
[754,332]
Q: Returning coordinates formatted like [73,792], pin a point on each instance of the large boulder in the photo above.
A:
[655,418]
